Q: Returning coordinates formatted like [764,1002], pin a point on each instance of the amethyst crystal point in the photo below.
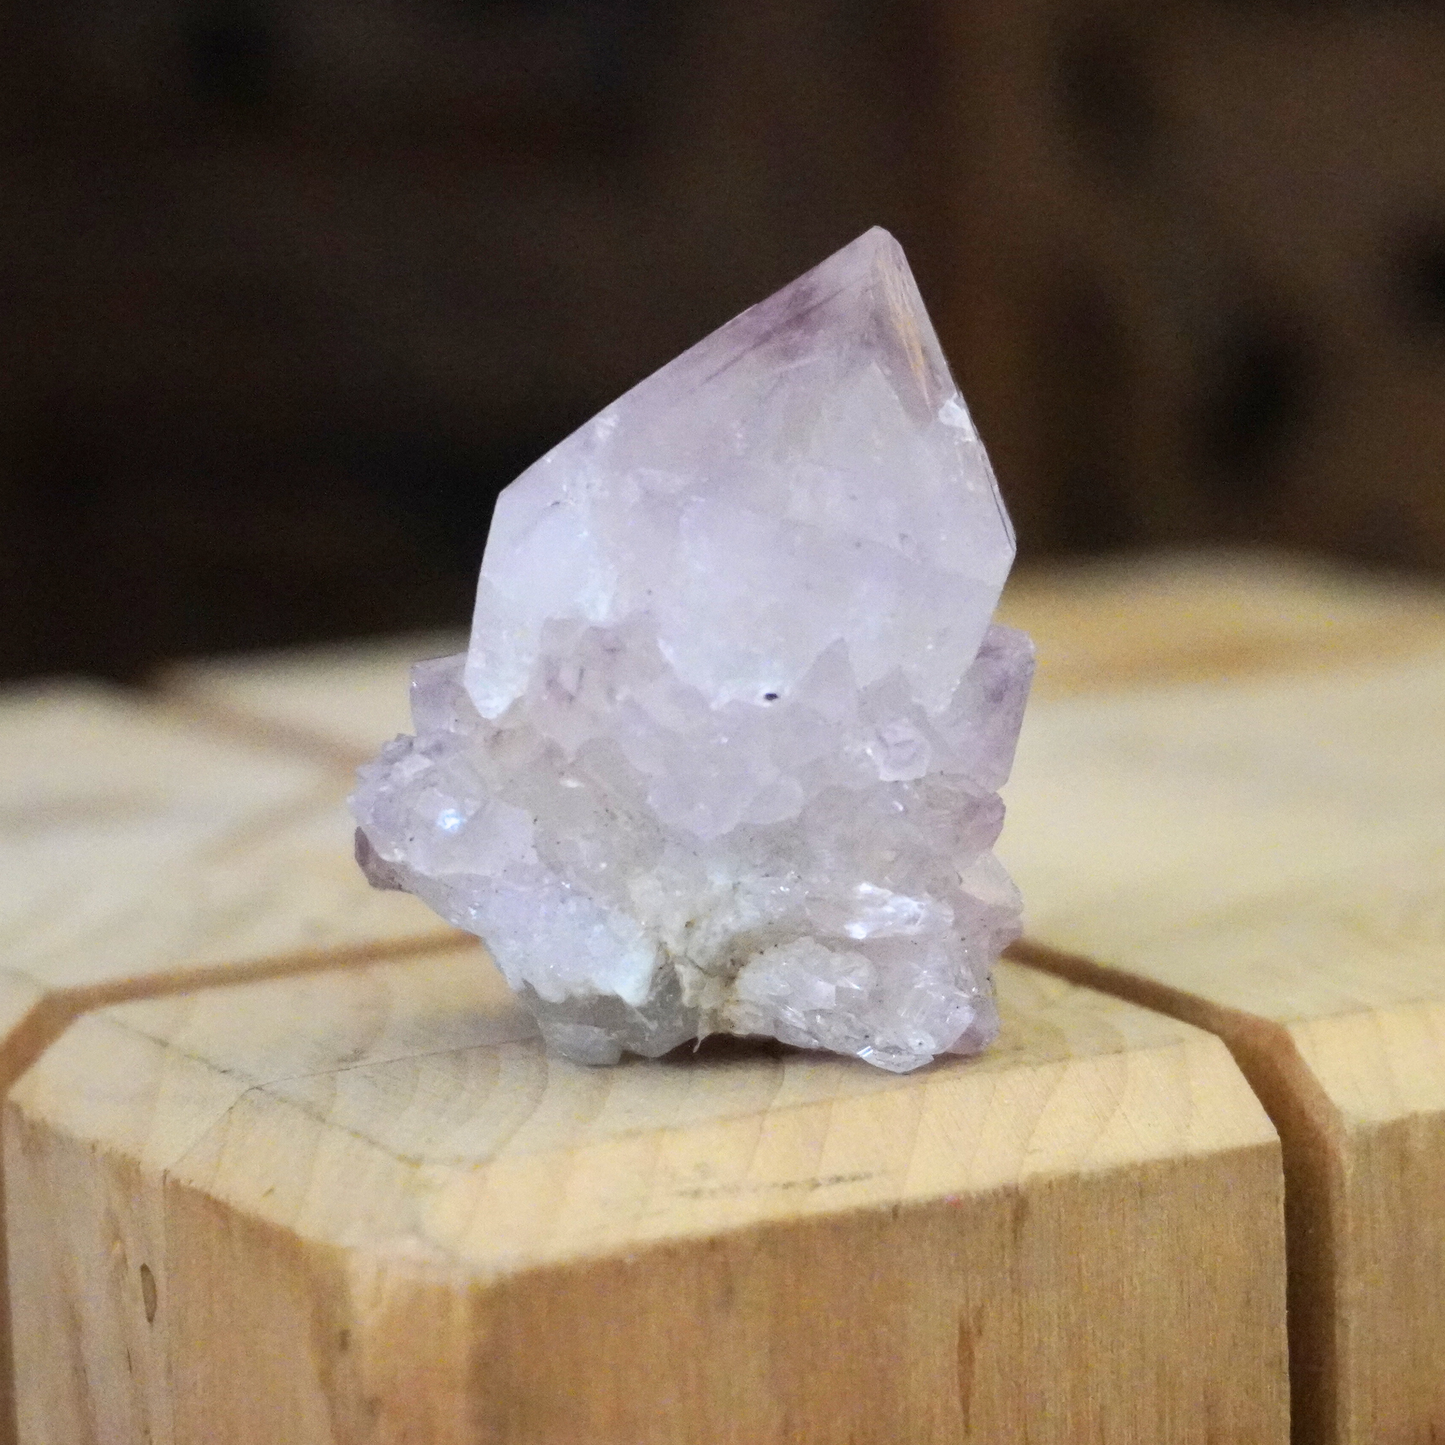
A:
[725,750]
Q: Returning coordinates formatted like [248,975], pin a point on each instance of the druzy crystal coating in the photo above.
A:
[724,753]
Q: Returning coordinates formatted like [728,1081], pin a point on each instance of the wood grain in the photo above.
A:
[1267,860]
[141,854]
[1227,808]
[1211,616]
[370,1208]
[339,703]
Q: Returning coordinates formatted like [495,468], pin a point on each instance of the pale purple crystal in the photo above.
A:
[725,750]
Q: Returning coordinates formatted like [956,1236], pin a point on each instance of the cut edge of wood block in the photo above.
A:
[38,1017]
[384,1290]
[745,1282]
[1383,1071]
[195,978]
[1313,1140]
[34,1021]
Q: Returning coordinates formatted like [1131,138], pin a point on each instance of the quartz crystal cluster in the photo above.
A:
[724,753]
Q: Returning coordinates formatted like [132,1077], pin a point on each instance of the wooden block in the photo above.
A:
[1197,616]
[141,854]
[339,702]
[1214,845]
[139,851]
[370,1207]
[1267,860]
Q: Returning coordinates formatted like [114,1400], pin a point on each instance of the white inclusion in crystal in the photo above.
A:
[724,753]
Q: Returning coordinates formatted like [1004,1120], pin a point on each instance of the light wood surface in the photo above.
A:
[141,854]
[138,850]
[339,703]
[1268,861]
[1211,616]
[368,1207]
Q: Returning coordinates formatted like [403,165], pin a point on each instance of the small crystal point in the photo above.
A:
[724,753]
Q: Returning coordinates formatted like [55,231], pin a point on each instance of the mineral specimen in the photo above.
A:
[724,753]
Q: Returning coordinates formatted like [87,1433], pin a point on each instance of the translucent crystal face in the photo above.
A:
[724,752]
[807,474]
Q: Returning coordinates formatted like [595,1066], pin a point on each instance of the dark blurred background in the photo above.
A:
[290,288]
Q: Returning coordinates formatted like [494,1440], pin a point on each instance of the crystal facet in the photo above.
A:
[724,753]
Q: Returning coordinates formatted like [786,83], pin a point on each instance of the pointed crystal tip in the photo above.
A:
[807,474]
